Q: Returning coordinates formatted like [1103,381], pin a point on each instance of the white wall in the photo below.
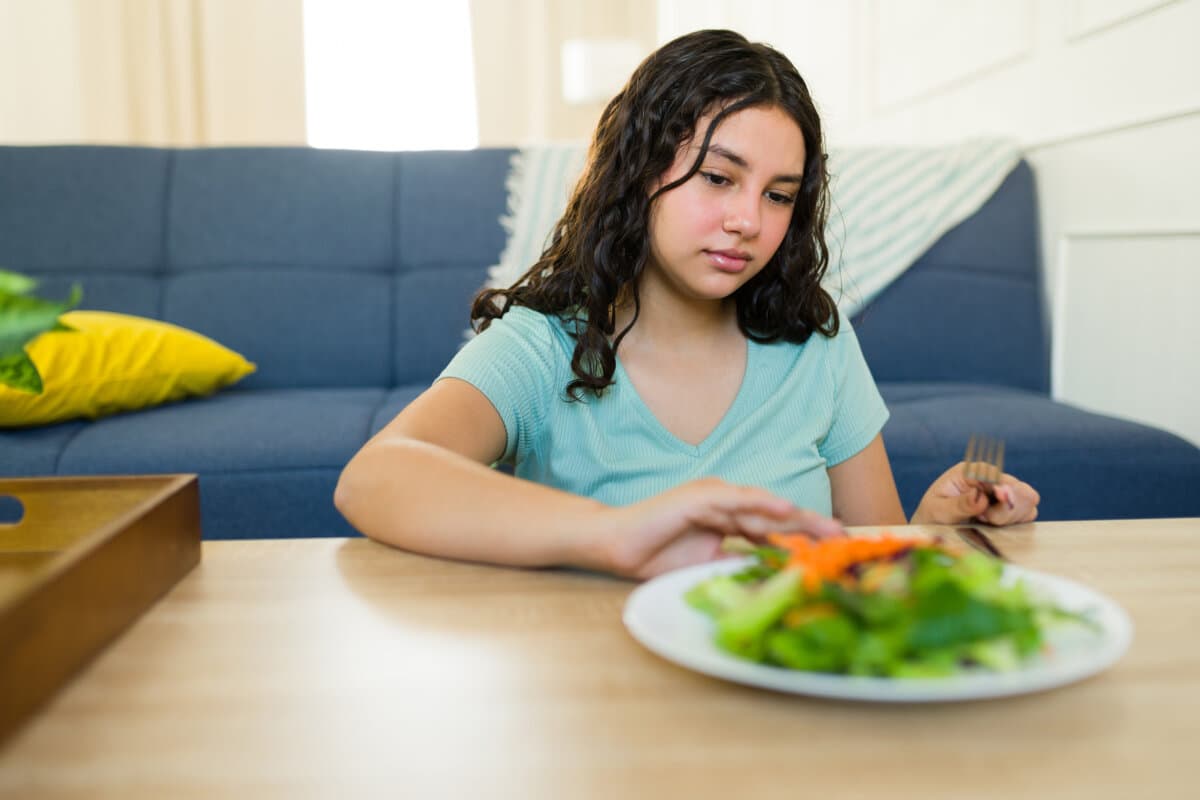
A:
[518,63]
[1104,96]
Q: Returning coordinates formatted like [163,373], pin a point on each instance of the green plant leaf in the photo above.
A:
[15,283]
[18,371]
[23,318]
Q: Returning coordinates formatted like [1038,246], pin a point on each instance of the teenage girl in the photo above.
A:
[670,372]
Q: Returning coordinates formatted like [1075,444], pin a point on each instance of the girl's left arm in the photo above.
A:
[863,489]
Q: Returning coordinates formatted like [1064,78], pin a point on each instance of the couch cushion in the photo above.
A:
[427,336]
[282,321]
[900,342]
[263,242]
[272,503]
[448,207]
[969,309]
[35,451]
[82,208]
[285,207]
[268,460]
[236,431]
[1071,456]
[393,403]
[133,293]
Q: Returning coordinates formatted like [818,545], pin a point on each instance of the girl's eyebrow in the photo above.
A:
[734,158]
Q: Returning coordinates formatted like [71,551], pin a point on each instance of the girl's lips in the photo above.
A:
[728,260]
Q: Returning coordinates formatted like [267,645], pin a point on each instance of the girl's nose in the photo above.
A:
[742,217]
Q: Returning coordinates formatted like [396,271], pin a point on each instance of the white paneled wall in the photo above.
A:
[821,39]
[1090,16]
[1030,73]
[1121,234]
[968,42]
[1104,95]
[1120,348]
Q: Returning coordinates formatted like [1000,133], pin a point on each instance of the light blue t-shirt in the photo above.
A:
[800,410]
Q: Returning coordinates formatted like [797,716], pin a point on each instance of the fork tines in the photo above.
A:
[984,459]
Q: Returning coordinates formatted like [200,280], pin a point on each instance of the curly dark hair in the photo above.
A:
[599,247]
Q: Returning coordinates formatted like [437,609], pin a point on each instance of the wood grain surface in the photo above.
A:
[334,667]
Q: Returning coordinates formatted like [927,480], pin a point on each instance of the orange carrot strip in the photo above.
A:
[828,559]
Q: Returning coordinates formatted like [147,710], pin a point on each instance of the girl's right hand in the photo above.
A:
[686,525]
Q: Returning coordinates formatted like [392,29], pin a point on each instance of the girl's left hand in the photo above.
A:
[953,499]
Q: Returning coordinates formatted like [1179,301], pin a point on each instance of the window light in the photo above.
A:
[389,75]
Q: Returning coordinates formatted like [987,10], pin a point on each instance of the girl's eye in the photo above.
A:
[778,198]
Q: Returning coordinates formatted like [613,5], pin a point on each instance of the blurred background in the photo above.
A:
[1102,95]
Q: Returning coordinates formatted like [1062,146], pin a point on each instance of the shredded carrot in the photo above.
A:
[828,559]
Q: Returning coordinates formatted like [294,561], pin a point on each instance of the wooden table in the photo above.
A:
[321,668]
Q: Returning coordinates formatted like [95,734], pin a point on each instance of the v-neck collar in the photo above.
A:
[729,418]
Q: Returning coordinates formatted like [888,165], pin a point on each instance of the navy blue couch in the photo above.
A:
[347,276]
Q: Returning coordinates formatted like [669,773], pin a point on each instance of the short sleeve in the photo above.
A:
[514,363]
[858,411]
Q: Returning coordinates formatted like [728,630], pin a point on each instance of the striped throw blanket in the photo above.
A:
[889,205]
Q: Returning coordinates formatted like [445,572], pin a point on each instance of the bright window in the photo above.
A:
[389,74]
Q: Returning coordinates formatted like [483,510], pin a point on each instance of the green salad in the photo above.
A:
[881,606]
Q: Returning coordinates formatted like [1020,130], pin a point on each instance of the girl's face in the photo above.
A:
[712,234]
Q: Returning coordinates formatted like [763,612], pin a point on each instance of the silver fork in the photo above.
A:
[983,464]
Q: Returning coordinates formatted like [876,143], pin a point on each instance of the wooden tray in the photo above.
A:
[86,559]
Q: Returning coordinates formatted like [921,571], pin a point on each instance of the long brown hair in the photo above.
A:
[599,247]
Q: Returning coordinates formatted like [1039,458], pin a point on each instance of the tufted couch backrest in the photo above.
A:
[339,268]
[971,309]
[326,268]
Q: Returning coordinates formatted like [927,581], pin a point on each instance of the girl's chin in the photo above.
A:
[715,291]
[711,285]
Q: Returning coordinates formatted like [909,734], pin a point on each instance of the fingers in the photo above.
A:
[1017,502]
[687,524]
[1022,491]
[951,503]
[741,499]
[971,504]
[756,512]
[810,523]
[689,549]
[756,526]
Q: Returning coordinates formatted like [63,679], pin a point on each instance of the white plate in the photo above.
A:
[658,617]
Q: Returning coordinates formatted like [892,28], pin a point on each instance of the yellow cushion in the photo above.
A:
[115,362]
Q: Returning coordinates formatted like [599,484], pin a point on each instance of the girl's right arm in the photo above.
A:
[423,484]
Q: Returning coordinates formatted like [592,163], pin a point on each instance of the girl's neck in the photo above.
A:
[673,322]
